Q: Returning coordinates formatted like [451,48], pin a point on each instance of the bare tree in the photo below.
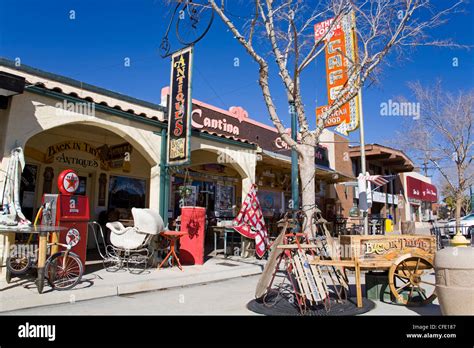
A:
[279,34]
[443,137]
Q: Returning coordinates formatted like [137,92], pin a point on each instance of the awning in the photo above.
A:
[420,190]
[322,173]
[392,159]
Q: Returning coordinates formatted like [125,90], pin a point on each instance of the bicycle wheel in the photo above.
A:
[64,271]
[194,21]
[19,264]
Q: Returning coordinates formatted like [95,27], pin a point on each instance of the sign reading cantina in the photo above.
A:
[215,122]
[180,107]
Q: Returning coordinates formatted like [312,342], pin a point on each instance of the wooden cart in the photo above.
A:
[408,258]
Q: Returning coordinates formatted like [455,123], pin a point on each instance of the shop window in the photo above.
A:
[270,202]
[426,210]
[415,212]
[28,189]
[126,193]
[224,200]
[82,188]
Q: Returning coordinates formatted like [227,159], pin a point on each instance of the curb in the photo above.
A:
[12,303]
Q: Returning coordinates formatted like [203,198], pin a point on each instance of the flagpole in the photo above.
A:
[361,125]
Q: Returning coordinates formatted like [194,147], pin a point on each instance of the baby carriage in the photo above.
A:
[130,246]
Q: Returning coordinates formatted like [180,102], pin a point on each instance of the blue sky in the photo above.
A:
[93,46]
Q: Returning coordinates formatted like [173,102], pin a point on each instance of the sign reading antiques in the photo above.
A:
[179,118]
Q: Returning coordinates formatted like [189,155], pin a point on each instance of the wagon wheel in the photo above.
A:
[408,280]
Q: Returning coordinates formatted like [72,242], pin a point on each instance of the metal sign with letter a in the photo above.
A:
[179,117]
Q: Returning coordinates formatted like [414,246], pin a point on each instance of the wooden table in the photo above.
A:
[172,236]
[43,232]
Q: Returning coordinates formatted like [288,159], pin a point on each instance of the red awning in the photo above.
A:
[429,192]
[413,188]
[423,191]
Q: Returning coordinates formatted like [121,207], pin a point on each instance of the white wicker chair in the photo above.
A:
[130,245]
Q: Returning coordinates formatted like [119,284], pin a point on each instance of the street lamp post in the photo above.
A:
[363,168]
[294,159]
[471,194]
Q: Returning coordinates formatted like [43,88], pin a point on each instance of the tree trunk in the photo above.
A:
[307,185]
[457,215]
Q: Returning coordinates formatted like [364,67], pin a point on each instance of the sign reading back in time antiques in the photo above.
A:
[179,118]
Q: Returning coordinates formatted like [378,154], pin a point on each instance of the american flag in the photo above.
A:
[250,223]
[378,180]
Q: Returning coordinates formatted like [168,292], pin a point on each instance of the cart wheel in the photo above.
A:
[410,282]
[112,264]
[137,263]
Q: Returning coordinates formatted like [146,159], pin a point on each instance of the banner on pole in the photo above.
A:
[340,55]
[180,104]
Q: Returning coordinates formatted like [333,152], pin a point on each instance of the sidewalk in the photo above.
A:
[21,292]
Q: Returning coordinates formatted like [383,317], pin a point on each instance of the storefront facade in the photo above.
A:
[218,178]
[269,166]
[117,145]
[419,197]
[112,141]
[407,197]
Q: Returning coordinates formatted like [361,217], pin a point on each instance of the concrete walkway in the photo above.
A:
[227,297]
[22,293]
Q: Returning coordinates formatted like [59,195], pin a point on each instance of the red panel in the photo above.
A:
[74,208]
[73,213]
[76,233]
[191,250]
[413,188]
[421,190]
[429,193]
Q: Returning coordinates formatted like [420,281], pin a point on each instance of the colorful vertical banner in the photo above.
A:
[340,54]
[179,117]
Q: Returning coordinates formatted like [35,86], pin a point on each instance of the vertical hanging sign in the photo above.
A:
[179,108]
[340,57]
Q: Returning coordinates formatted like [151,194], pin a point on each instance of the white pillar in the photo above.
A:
[154,199]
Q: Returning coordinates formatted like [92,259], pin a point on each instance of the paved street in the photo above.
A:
[227,297]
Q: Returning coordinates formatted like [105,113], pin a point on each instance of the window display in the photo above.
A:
[126,192]
[224,200]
